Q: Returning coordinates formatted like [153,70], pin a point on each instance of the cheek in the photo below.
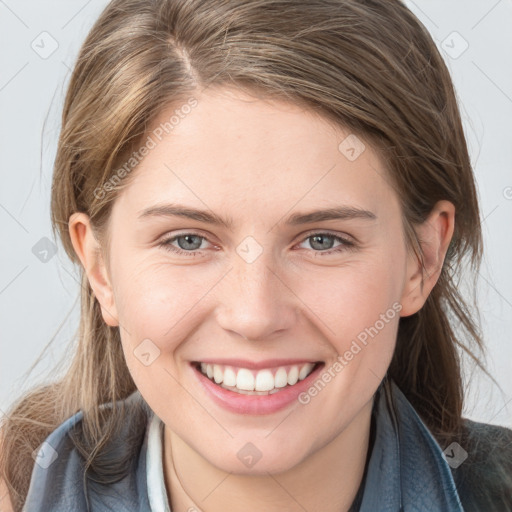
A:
[357,309]
[156,308]
[358,312]
[157,301]
[348,299]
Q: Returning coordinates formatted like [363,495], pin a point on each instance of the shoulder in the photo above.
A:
[60,475]
[484,478]
[481,462]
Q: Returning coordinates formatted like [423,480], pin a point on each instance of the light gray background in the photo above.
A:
[39,301]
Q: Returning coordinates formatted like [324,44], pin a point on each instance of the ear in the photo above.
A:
[434,235]
[88,250]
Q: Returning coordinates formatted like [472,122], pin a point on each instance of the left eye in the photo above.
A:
[192,242]
[319,239]
[189,243]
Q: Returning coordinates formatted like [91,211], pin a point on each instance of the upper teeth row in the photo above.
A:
[262,380]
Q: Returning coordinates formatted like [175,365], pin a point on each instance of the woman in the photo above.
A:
[271,202]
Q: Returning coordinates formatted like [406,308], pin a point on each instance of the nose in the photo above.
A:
[255,301]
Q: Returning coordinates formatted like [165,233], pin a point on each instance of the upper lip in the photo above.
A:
[257,365]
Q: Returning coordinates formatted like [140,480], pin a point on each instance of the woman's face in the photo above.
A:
[253,280]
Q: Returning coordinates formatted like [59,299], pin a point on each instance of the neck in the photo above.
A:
[327,480]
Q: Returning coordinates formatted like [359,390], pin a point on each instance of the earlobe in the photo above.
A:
[434,236]
[88,251]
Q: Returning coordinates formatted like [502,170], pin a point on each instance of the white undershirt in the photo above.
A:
[155,473]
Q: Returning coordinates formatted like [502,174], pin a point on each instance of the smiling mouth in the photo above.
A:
[266,381]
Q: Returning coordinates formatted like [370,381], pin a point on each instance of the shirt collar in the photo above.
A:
[157,493]
[406,469]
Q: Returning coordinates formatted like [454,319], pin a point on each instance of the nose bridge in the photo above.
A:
[255,281]
[255,302]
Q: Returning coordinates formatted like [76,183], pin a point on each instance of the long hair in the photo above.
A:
[366,65]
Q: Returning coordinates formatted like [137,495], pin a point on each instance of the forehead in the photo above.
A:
[237,152]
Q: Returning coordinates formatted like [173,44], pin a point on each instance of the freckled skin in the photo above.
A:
[256,162]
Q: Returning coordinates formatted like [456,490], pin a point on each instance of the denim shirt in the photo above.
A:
[406,469]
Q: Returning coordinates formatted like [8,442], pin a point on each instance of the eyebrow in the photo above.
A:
[336,213]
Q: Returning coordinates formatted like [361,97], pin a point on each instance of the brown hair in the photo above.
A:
[367,65]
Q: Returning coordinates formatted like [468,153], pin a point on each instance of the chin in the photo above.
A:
[249,460]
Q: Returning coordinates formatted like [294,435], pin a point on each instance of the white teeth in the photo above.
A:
[243,392]
[293,375]
[280,378]
[264,381]
[305,370]
[245,380]
[256,382]
[229,377]
[218,374]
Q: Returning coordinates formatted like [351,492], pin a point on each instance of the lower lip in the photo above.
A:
[255,404]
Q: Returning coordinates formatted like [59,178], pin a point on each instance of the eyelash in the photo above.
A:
[346,244]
